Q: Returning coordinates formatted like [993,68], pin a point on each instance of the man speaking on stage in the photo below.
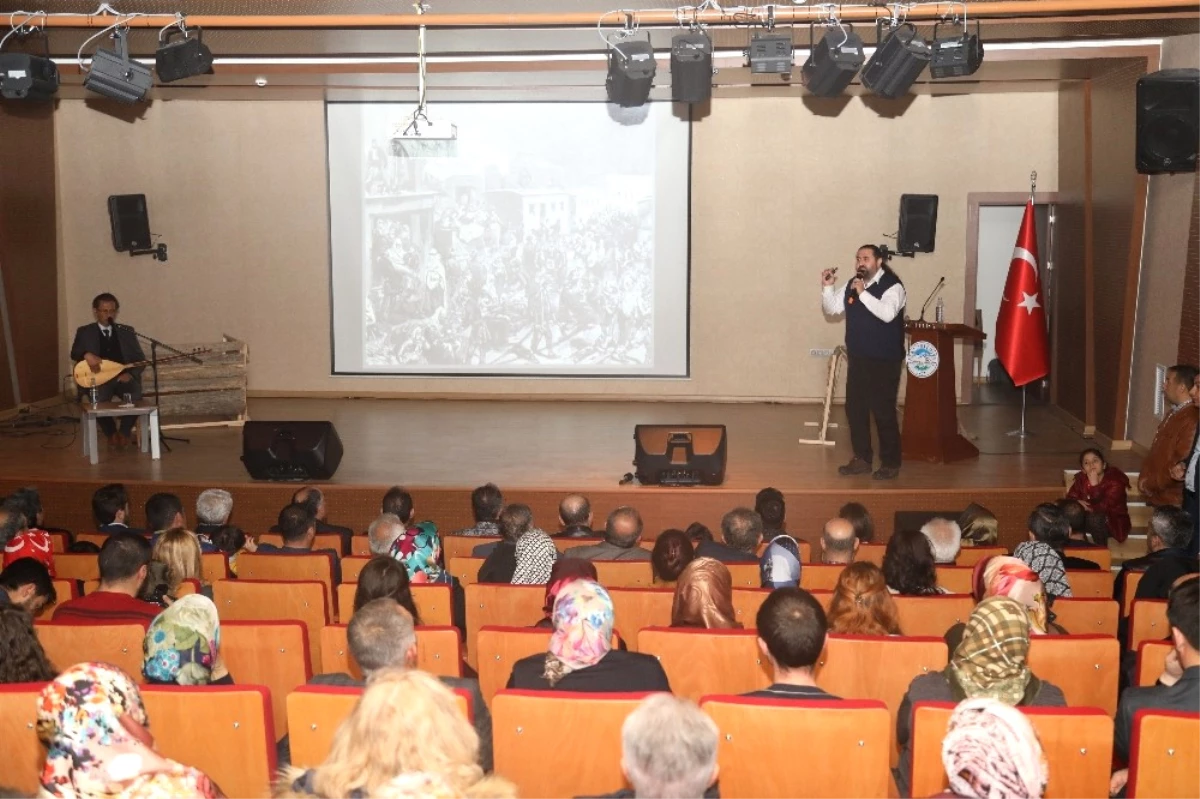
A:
[109,341]
[873,302]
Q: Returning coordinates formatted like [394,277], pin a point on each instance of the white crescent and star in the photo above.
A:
[1029,303]
[1031,300]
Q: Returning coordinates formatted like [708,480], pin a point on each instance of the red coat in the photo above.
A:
[1108,497]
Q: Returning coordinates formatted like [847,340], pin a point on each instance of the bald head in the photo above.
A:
[575,509]
[313,499]
[838,543]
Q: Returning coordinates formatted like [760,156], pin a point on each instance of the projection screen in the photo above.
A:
[554,242]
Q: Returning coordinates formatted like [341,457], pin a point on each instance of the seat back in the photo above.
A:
[499,605]
[527,741]
[352,567]
[264,600]
[89,538]
[1151,658]
[956,579]
[234,722]
[1087,615]
[624,573]
[1164,755]
[58,542]
[820,576]
[439,651]
[316,566]
[969,556]
[460,546]
[1098,555]
[1085,667]
[635,608]
[1093,584]
[214,566]
[24,754]
[703,662]
[465,570]
[871,553]
[1132,578]
[66,644]
[745,575]
[77,566]
[320,541]
[499,648]
[433,603]
[1077,742]
[933,615]
[747,601]
[360,546]
[1148,622]
[64,590]
[273,654]
[846,746]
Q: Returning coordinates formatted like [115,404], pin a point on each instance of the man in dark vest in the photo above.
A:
[874,306]
[106,340]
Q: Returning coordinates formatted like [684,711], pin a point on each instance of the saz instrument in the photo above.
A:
[109,370]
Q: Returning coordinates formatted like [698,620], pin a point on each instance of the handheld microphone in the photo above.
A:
[941,280]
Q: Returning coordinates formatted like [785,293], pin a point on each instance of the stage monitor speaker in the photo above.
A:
[130,222]
[291,450]
[683,454]
[918,223]
[1168,121]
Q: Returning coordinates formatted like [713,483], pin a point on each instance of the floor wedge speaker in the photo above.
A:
[291,450]
[682,454]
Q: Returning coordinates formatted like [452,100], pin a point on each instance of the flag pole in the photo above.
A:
[1023,431]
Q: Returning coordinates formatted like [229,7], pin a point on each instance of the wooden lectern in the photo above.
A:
[930,405]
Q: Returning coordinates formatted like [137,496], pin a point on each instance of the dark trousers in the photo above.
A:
[115,389]
[1189,505]
[871,388]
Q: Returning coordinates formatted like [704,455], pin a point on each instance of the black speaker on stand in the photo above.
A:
[291,450]
[1168,121]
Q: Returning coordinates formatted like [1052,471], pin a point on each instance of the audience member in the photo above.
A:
[979,526]
[94,726]
[1009,577]
[991,751]
[535,557]
[908,565]
[860,519]
[314,499]
[124,561]
[1050,523]
[85,547]
[1087,530]
[501,564]
[990,662]
[398,502]
[622,531]
[1173,440]
[298,528]
[383,532]
[164,512]
[771,508]
[1102,491]
[486,504]
[21,542]
[669,749]
[699,533]
[566,570]
[581,656]
[22,658]
[179,550]
[384,578]
[1048,530]
[1188,471]
[945,538]
[183,645]
[419,549]
[110,509]
[741,530]
[862,603]
[791,634]
[839,544]
[1167,538]
[779,566]
[704,597]
[673,550]
[214,506]
[575,517]
[232,540]
[26,584]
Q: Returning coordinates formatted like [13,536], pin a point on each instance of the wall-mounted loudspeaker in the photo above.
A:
[130,222]
[918,223]
[684,454]
[1168,121]
[291,450]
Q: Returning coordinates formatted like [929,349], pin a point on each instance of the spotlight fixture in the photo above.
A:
[956,55]
[28,77]
[897,63]
[770,54]
[115,75]
[181,59]
[832,62]
[691,67]
[631,70]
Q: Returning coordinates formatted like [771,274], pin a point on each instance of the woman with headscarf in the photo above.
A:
[420,550]
[183,645]
[536,555]
[94,725]
[1002,575]
[581,657]
[991,751]
[1045,560]
[990,662]
[566,570]
[704,597]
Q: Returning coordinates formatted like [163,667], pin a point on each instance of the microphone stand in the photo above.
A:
[154,345]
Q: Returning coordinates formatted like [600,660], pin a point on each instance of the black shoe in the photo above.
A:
[856,466]
[886,473]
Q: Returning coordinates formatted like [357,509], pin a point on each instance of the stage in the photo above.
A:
[536,451]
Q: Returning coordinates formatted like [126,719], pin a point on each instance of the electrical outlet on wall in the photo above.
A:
[1160,402]
[820,352]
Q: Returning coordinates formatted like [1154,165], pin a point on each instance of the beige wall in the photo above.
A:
[779,192]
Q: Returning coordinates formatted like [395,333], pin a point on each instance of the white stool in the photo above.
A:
[147,428]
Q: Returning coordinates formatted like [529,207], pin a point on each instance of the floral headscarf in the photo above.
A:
[91,754]
[183,644]
[1043,559]
[991,750]
[535,558]
[1010,577]
[991,660]
[583,628]
[420,550]
[704,597]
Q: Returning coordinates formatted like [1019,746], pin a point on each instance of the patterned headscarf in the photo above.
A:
[91,755]
[1010,577]
[990,661]
[183,644]
[704,597]
[779,565]
[567,570]
[535,558]
[32,543]
[1043,559]
[583,628]
[991,751]
[420,550]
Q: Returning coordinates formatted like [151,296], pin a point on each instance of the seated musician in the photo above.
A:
[105,340]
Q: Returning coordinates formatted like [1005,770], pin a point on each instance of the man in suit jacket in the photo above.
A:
[110,509]
[313,499]
[1172,441]
[742,531]
[1166,537]
[622,532]
[106,340]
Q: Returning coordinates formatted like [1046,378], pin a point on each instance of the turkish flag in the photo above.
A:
[1021,325]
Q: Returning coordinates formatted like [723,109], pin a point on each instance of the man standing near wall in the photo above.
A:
[873,303]
[1160,481]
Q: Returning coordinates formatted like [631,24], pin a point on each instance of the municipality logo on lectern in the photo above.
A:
[922,359]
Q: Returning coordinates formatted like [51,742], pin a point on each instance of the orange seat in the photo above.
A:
[67,643]
[871,553]
[1100,556]
[281,567]
[352,567]
[933,615]
[1090,584]
[635,608]
[1077,742]
[956,579]
[273,654]
[58,542]
[89,538]
[360,546]
[24,754]
[501,605]
[845,745]
[1087,615]
[528,744]
[1151,659]
[77,566]
[702,662]
[747,601]
[64,590]
[1085,667]
[1132,578]
[320,541]
[214,566]
[969,556]
[439,651]
[820,576]
[234,724]
[1164,755]
[501,647]
[745,575]
[460,546]
[465,570]
[624,573]
[804,547]
[262,600]
[1148,622]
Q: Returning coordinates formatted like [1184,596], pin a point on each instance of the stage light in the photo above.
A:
[897,63]
[956,55]
[185,58]
[770,54]
[691,67]
[115,75]
[27,77]
[631,70]
[833,62]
